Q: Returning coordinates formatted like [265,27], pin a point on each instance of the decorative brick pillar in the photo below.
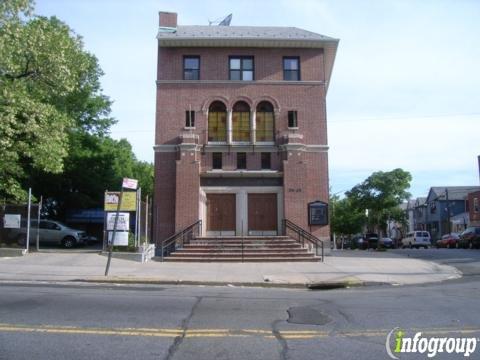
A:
[164,205]
[305,180]
[187,188]
[295,187]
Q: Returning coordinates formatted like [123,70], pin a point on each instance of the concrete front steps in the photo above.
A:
[246,249]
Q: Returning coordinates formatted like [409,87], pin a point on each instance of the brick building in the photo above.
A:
[241,131]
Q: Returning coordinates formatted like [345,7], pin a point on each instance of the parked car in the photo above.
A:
[470,238]
[417,239]
[372,240]
[449,241]
[50,233]
[386,243]
[358,242]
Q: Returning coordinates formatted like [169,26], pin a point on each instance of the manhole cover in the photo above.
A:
[307,316]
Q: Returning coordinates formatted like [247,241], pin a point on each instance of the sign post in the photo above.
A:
[28,218]
[40,204]
[126,184]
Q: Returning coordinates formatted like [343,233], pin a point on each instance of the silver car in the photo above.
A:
[50,233]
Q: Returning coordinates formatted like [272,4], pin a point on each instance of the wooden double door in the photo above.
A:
[221,212]
[261,213]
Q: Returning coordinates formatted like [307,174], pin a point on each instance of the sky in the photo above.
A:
[405,89]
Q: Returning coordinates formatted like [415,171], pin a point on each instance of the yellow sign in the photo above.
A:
[129,201]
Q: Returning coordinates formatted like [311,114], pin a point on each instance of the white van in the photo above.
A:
[417,239]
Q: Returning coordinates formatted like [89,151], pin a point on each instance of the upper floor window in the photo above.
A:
[217,161]
[264,122]
[241,160]
[191,68]
[266,160]
[241,122]
[292,119]
[217,122]
[189,118]
[291,68]
[241,68]
[476,207]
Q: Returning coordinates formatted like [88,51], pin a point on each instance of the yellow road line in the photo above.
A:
[217,333]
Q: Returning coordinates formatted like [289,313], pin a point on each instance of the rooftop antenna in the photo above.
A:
[221,21]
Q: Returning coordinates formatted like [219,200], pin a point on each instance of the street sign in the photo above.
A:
[318,213]
[12,221]
[129,201]
[121,238]
[130,183]
[123,222]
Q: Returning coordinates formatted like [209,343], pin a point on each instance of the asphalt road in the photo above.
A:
[466,260]
[46,321]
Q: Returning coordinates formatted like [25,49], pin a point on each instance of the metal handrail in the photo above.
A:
[180,238]
[303,235]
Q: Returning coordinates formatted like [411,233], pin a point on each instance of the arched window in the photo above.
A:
[264,122]
[241,122]
[217,122]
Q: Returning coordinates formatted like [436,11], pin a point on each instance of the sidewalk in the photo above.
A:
[360,269]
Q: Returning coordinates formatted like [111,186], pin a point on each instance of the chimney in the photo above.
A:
[167,19]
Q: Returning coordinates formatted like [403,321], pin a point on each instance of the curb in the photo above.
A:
[122,281]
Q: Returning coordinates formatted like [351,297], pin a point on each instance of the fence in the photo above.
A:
[15,228]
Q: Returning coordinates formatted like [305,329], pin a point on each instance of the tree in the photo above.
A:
[95,164]
[49,89]
[54,119]
[345,218]
[143,171]
[380,194]
[13,9]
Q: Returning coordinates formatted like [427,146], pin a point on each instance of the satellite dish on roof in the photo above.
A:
[226,21]
[222,22]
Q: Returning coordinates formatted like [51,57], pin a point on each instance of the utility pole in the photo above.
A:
[448,211]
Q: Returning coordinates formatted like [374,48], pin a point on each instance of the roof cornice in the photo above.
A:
[246,42]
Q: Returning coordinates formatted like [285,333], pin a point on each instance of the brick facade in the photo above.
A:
[299,159]
[474,208]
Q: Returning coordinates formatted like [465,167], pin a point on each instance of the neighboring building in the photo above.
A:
[444,203]
[474,204]
[241,130]
[474,208]
[420,214]
[409,208]
[459,222]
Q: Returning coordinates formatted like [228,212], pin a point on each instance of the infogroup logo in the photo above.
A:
[397,343]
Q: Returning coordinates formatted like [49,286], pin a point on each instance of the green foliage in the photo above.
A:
[143,171]
[95,164]
[54,119]
[49,88]
[345,218]
[12,10]
[381,193]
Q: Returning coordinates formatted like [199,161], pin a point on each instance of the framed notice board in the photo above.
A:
[318,213]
